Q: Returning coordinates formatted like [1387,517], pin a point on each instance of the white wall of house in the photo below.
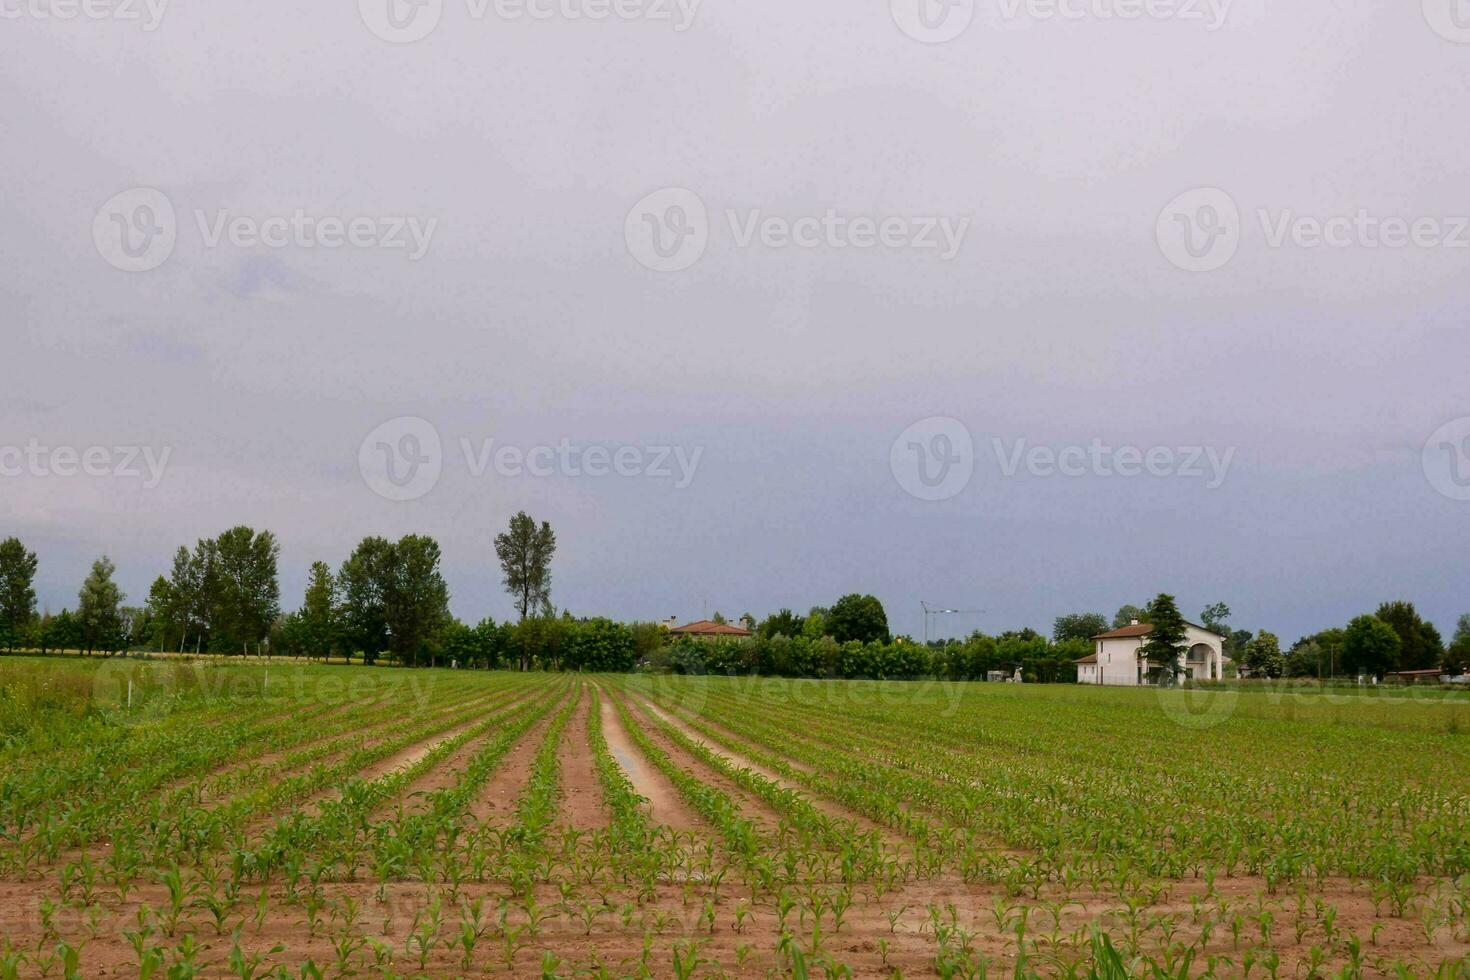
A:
[1118,663]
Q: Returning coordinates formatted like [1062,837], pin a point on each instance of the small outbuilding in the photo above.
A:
[1433,676]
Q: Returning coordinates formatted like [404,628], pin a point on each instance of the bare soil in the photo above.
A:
[496,801]
[830,807]
[581,792]
[666,806]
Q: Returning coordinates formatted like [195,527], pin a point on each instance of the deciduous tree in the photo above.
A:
[1421,647]
[525,552]
[364,583]
[99,609]
[1263,657]
[1127,614]
[783,623]
[417,599]
[1457,659]
[858,617]
[317,624]
[17,590]
[1215,617]
[247,597]
[1370,646]
[1078,626]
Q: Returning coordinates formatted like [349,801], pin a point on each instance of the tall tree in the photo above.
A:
[1318,655]
[1457,660]
[525,552]
[99,609]
[17,590]
[364,584]
[190,602]
[1421,648]
[1215,618]
[316,624]
[1370,646]
[858,617]
[1263,657]
[1127,614]
[161,614]
[1078,626]
[248,599]
[784,623]
[417,599]
[1167,641]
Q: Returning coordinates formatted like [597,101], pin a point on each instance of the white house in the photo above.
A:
[1118,659]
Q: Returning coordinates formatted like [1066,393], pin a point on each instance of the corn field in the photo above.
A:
[172,820]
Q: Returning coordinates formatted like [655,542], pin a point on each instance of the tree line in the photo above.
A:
[389,599]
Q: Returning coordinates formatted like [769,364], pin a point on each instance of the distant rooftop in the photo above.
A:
[707,628]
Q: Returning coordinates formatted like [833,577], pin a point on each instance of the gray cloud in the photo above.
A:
[528,320]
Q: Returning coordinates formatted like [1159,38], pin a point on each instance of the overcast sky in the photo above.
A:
[533,158]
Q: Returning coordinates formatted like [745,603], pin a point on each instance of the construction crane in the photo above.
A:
[932,611]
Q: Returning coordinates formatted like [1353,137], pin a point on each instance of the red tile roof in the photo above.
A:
[706,628]
[1087,660]
[1142,629]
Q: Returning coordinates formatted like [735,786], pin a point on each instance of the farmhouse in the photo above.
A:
[1118,659]
[707,630]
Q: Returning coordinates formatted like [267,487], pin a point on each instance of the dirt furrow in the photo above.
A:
[447,772]
[581,793]
[666,806]
[830,807]
[766,817]
[402,759]
[496,801]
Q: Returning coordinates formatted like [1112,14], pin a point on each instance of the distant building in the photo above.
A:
[707,630]
[1434,676]
[1118,658]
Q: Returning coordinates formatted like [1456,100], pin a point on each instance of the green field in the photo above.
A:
[257,820]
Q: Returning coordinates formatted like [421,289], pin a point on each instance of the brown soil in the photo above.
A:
[497,799]
[868,942]
[403,759]
[829,807]
[581,792]
[443,775]
[736,736]
[666,806]
[751,807]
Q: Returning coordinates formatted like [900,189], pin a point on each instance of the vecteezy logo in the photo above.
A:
[401,21]
[401,459]
[1447,459]
[1199,710]
[1199,231]
[668,230]
[1449,18]
[933,21]
[933,459]
[128,692]
[136,230]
